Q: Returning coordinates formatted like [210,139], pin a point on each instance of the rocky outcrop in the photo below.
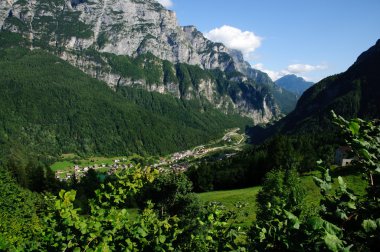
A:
[133,28]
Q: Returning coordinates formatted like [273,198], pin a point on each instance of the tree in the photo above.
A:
[281,189]
[280,204]
[171,194]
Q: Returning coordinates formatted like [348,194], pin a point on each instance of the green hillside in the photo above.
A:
[50,107]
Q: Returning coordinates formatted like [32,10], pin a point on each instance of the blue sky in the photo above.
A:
[311,38]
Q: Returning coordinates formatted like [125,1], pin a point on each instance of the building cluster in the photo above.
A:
[188,154]
[80,172]
[176,162]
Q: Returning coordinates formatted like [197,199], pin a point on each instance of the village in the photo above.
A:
[178,162]
[79,172]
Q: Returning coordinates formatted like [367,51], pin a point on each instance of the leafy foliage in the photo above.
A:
[281,189]
[109,227]
[280,204]
[19,214]
[346,220]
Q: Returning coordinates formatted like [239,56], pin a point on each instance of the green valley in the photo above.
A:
[122,130]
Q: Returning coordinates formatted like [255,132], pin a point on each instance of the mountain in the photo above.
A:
[354,93]
[140,44]
[294,84]
[49,107]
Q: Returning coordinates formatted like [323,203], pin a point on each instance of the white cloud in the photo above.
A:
[166,3]
[298,69]
[245,41]
[304,68]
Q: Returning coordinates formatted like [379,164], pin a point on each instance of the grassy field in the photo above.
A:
[68,161]
[232,197]
[62,165]
[248,195]
[247,214]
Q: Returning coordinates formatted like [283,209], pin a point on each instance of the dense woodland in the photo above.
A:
[300,152]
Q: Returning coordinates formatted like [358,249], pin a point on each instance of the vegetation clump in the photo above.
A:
[171,217]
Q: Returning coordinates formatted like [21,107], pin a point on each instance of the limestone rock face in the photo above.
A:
[122,27]
[133,28]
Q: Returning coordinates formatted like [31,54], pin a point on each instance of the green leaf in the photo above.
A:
[354,127]
[294,219]
[331,228]
[365,153]
[162,238]
[62,193]
[369,225]
[333,242]
[342,184]
[351,205]
[142,232]
[83,227]
[316,223]
[377,169]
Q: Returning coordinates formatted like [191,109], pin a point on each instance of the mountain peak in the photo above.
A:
[294,84]
[374,51]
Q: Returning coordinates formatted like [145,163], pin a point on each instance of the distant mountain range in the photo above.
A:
[354,93]
[294,84]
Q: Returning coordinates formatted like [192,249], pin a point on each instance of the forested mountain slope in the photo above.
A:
[49,106]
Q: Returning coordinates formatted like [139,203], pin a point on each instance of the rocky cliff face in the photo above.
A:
[133,28]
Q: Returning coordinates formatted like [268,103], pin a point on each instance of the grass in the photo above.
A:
[313,195]
[232,197]
[248,195]
[61,165]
